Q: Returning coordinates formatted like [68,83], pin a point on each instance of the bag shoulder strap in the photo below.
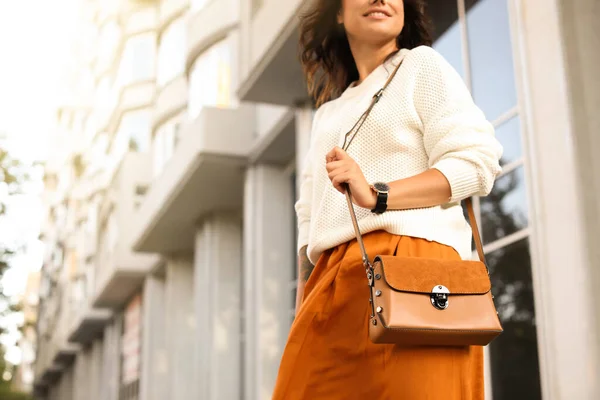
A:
[348,140]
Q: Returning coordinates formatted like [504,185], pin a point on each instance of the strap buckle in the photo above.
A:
[377,95]
[369,270]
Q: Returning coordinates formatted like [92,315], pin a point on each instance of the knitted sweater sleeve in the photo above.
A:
[459,141]
[304,203]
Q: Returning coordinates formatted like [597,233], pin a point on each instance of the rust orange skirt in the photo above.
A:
[329,355]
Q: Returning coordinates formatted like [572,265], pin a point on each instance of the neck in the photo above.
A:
[368,56]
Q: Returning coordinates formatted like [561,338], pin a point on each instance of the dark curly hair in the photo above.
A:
[325,52]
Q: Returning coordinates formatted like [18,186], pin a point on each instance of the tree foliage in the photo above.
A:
[13,177]
[6,390]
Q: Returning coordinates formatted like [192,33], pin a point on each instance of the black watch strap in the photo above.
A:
[381,204]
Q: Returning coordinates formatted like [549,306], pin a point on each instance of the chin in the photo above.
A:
[377,35]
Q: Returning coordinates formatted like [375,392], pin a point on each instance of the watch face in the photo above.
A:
[381,187]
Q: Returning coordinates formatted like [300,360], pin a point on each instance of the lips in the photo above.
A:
[377,12]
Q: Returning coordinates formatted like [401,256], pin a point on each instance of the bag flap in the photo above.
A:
[421,275]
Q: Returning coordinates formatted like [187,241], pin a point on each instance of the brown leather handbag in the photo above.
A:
[422,301]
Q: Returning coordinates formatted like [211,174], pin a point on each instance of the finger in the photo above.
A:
[342,171]
[339,180]
[333,165]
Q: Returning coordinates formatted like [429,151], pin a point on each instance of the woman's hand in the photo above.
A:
[343,169]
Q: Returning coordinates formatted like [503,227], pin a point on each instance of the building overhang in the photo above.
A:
[278,145]
[51,374]
[120,271]
[277,77]
[89,325]
[126,276]
[66,354]
[205,174]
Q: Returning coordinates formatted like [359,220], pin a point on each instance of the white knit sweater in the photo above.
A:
[425,119]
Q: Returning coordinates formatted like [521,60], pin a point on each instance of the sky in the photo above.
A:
[35,44]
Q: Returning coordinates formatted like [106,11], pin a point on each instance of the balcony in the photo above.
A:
[278,145]
[89,324]
[171,10]
[205,174]
[132,97]
[139,19]
[171,100]
[120,271]
[274,57]
[85,323]
[65,354]
[51,374]
[209,24]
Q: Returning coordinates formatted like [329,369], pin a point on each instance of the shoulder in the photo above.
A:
[427,65]
[422,56]
[425,61]
[325,110]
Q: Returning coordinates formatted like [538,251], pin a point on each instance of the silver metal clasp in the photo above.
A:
[439,297]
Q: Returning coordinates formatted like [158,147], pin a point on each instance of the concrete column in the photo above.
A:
[269,263]
[581,30]
[561,216]
[66,384]
[181,327]
[81,365]
[112,359]
[96,370]
[155,371]
[54,392]
[218,292]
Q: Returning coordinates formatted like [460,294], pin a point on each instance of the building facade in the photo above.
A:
[171,233]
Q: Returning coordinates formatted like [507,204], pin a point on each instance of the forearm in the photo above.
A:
[305,268]
[427,189]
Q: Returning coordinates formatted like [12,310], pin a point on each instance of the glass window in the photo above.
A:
[171,52]
[133,134]
[137,60]
[447,39]
[103,92]
[514,355]
[504,211]
[210,79]
[109,40]
[493,78]
[164,146]
[509,135]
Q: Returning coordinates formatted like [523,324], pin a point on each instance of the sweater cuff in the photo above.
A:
[302,235]
[461,175]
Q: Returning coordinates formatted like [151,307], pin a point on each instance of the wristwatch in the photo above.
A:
[382,189]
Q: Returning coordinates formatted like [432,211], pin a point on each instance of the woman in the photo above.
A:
[427,141]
